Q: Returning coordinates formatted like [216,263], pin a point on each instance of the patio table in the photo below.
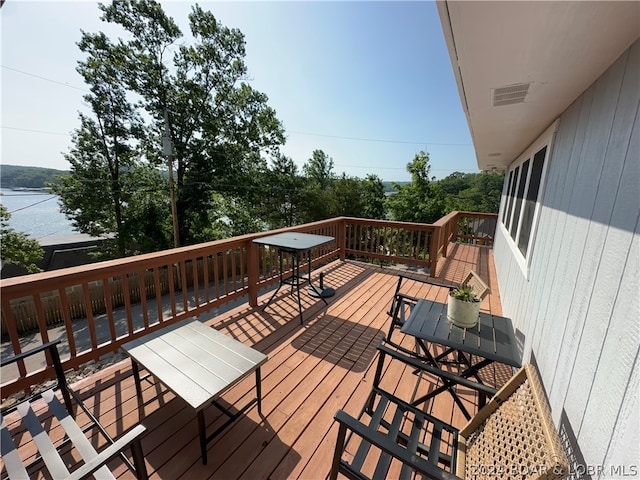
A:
[198,364]
[491,340]
[299,246]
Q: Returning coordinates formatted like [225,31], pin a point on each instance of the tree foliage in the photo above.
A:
[107,175]
[283,194]
[16,248]
[472,192]
[419,201]
[218,126]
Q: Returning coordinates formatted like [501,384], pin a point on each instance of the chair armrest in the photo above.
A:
[384,443]
[51,346]
[109,453]
[397,294]
[411,358]
[424,280]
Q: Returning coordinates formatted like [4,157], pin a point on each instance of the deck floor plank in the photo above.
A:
[312,371]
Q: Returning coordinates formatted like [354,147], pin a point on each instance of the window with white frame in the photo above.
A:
[524,184]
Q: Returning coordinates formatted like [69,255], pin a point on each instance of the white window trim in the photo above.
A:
[546,139]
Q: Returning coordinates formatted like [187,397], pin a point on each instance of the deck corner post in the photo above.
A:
[434,246]
[342,238]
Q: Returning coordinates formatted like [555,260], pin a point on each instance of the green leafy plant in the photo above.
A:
[464,293]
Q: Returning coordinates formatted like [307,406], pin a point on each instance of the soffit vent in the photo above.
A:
[510,94]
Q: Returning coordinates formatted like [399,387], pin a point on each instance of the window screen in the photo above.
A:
[531,199]
[512,194]
[507,202]
[518,201]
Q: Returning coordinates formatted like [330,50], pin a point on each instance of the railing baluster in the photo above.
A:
[107,297]
[68,325]
[156,279]
[89,313]
[184,285]
[234,270]
[7,316]
[142,281]
[196,282]
[205,278]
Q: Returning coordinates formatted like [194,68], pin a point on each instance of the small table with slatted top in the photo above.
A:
[198,364]
[491,340]
[299,245]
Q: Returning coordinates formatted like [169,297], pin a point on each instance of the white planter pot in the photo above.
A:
[463,314]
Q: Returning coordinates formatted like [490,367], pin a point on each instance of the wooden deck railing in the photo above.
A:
[116,301]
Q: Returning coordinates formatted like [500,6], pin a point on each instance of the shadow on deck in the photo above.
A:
[312,371]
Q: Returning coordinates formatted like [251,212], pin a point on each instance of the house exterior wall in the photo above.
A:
[575,298]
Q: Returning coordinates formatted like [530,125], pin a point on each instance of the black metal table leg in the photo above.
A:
[295,279]
[448,385]
[203,436]
[259,391]
[136,377]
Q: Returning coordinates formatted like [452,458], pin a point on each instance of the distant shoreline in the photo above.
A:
[31,189]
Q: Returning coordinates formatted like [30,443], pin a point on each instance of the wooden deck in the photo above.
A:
[312,371]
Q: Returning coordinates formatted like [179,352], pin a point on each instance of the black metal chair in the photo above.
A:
[402,303]
[49,452]
[513,436]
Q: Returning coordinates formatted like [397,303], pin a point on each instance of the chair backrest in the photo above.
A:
[513,436]
[479,287]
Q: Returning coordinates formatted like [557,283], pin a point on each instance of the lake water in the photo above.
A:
[36,214]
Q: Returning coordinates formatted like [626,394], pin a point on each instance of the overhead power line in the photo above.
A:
[33,204]
[287,131]
[45,79]
[381,140]
[342,137]
[36,131]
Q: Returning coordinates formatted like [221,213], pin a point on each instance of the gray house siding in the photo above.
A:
[576,298]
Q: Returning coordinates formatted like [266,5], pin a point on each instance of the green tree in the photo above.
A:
[477,192]
[218,124]
[108,177]
[16,248]
[419,201]
[374,198]
[347,197]
[319,200]
[283,193]
[319,169]
[489,188]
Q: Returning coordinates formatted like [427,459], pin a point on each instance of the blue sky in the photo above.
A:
[369,83]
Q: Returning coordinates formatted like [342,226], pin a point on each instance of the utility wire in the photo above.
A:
[361,139]
[33,204]
[45,79]
[36,131]
[380,140]
[299,133]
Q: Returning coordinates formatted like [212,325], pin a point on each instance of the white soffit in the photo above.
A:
[520,64]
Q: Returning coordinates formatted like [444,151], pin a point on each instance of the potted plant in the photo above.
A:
[463,307]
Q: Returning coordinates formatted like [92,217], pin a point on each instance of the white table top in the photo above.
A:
[194,361]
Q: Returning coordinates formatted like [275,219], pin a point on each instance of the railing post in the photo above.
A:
[445,239]
[253,273]
[454,227]
[433,250]
[342,238]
